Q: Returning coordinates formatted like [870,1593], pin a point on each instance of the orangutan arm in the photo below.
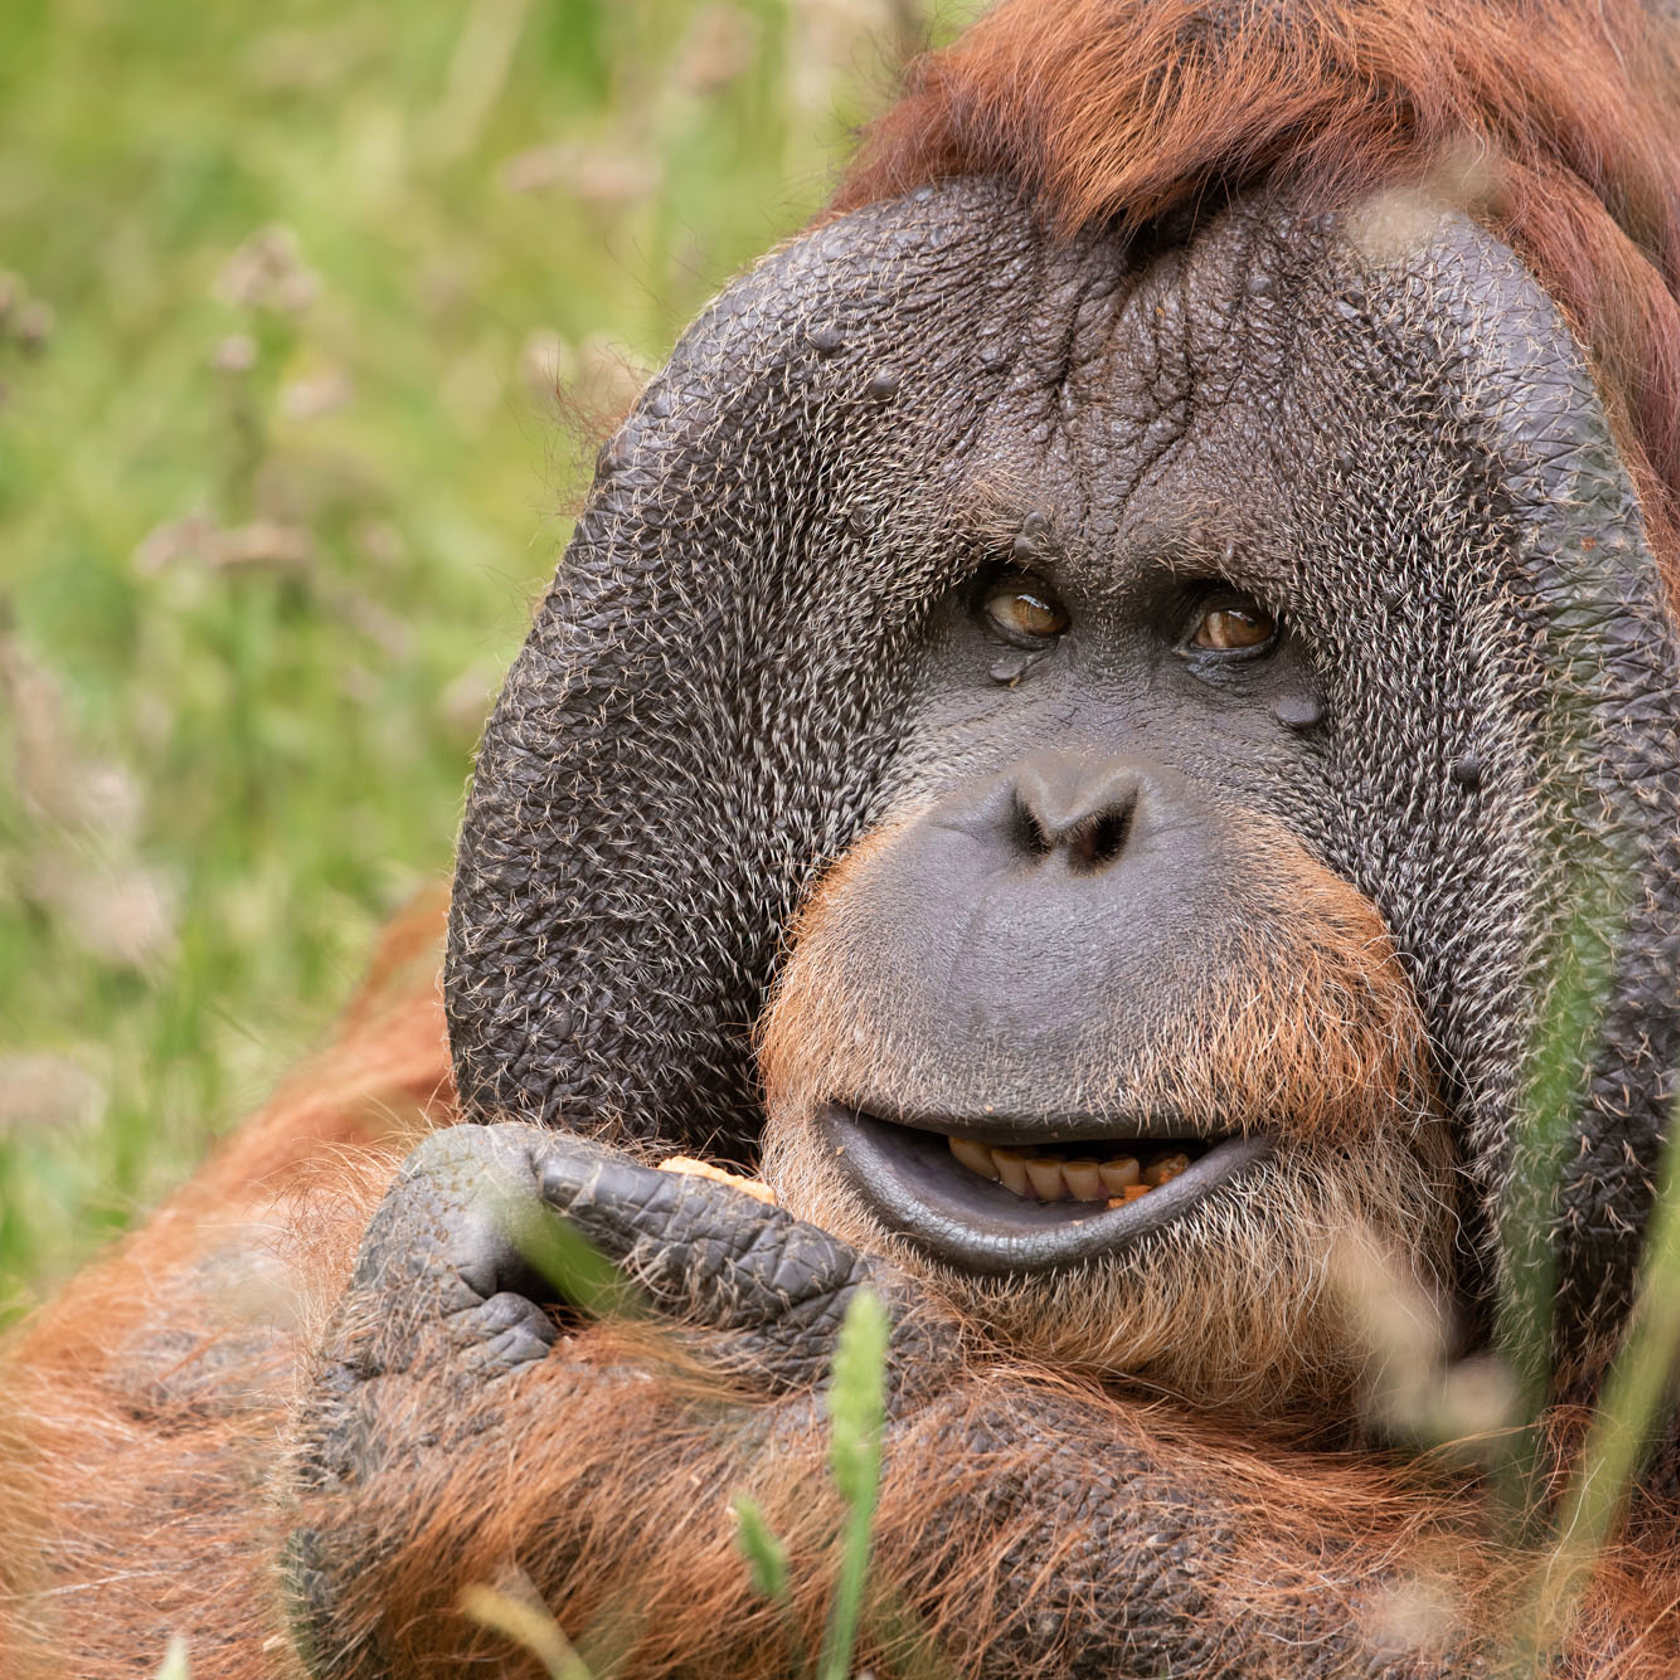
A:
[1026,1526]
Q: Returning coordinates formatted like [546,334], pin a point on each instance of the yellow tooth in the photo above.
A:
[1084,1179]
[1119,1174]
[1012,1169]
[975,1156]
[1164,1167]
[1045,1175]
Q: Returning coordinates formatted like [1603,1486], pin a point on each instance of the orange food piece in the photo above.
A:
[704,1169]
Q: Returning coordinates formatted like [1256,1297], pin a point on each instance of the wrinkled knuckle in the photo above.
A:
[448,1150]
[569,1181]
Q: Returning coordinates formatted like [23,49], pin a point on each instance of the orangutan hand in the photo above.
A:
[452,1267]
[591,1424]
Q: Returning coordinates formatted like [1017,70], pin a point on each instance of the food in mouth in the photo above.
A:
[1097,1174]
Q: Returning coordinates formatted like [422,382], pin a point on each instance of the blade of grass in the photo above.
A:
[767,1565]
[527,1626]
[175,1665]
[1559,1063]
[857,1412]
[1620,1436]
[581,1275]
[767,1559]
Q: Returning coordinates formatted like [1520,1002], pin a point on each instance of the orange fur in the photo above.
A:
[140,1412]
[615,1515]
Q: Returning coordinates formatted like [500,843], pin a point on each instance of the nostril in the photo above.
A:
[1099,840]
[1074,808]
[1031,836]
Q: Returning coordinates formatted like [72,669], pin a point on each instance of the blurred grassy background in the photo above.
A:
[299,306]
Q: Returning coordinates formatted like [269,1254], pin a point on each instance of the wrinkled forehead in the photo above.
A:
[1214,402]
[1238,391]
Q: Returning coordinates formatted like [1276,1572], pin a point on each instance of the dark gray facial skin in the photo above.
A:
[764,638]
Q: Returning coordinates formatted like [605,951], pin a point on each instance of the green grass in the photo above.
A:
[274,504]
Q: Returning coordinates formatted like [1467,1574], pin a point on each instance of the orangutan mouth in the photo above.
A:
[995,1199]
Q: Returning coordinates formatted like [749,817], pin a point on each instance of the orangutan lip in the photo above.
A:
[914,1183]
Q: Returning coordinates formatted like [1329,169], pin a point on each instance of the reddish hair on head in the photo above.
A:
[1556,124]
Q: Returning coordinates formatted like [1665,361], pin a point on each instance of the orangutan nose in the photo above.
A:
[1076,808]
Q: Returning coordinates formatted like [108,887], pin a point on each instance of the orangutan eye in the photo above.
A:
[1024,609]
[1233,626]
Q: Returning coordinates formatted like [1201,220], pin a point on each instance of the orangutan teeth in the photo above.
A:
[1120,1174]
[1164,1167]
[1045,1177]
[1084,1181]
[1050,1176]
[1012,1169]
[975,1156]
